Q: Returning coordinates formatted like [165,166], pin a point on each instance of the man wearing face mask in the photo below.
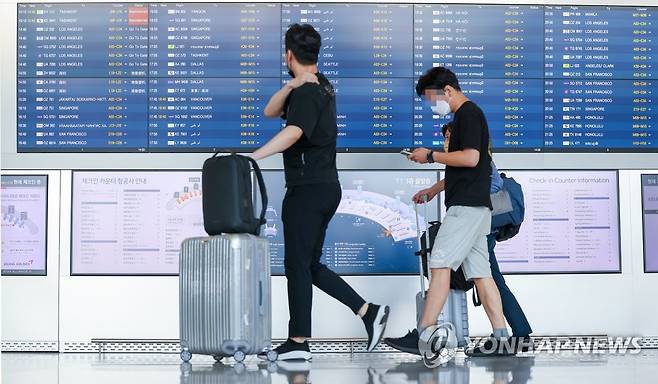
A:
[461,239]
[512,310]
[308,142]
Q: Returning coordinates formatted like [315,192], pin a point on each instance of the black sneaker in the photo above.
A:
[407,343]
[290,350]
[493,347]
[375,321]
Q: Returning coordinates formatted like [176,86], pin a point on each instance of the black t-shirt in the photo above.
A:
[469,186]
[312,159]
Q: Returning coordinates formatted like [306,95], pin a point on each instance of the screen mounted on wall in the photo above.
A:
[571,224]
[374,228]
[650,221]
[166,77]
[133,222]
[24,224]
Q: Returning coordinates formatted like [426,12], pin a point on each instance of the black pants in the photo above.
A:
[307,211]
[511,307]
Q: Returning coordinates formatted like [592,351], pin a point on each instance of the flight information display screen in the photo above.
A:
[571,224]
[24,224]
[192,77]
[133,222]
[650,221]
[374,228]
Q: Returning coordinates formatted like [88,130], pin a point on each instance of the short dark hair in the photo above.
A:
[304,42]
[437,78]
[446,127]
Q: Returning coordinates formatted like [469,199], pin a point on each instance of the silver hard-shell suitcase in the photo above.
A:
[225,307]
[455,310]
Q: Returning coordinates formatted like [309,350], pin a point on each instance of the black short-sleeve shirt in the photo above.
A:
[312,159]
[467,186]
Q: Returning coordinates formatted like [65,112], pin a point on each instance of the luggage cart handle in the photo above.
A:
[260,297]
[422,244]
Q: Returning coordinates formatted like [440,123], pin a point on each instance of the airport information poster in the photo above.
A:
[571,224]
[650,217]
[133,223]
[24,224]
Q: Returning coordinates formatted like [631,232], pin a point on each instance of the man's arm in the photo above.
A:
[467,158]
[279,143]
[274,107]
[440,186]
[430,192]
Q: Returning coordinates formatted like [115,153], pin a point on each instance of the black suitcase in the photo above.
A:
[457,279]
[228,205]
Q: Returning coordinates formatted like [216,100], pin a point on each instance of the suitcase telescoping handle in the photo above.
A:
[423,245]
[261,187]
[260,298]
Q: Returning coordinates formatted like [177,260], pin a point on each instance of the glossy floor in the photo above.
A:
[565,367]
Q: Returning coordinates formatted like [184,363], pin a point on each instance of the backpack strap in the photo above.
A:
[476,297]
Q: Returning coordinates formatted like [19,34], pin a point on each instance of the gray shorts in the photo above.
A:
[462,240]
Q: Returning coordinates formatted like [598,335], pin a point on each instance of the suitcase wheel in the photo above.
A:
[185,355]
[186,370]
[239,356]
[272,355]
[272,367]
[218,358]
[239,368]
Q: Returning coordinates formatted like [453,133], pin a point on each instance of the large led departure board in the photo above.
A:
[192,77]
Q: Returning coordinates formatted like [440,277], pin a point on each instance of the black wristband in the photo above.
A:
[430,156]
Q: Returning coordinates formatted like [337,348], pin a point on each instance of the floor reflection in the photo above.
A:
[515,370]
[376,368]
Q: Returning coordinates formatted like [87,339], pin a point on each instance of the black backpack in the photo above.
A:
[228,206]
[457,278]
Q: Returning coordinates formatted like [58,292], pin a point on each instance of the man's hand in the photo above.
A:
[429,192]
[306,77]
[419,155]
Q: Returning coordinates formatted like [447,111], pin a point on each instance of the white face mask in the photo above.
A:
[441,108]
